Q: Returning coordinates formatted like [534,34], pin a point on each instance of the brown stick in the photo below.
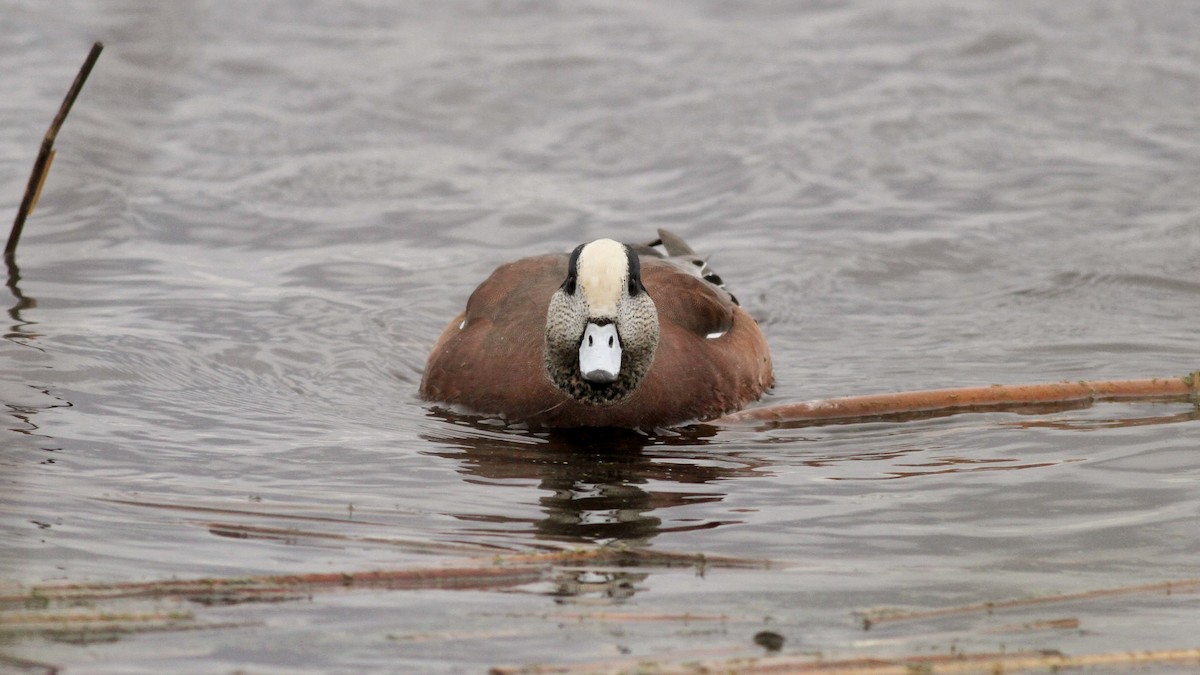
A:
[980,664]
[41,166]
[479,576]
[475,573]
[995,397]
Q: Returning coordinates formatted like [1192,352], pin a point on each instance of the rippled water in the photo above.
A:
[261,217]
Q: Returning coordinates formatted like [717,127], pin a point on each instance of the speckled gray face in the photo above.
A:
[602,326]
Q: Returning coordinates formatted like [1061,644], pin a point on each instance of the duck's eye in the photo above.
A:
[610,341]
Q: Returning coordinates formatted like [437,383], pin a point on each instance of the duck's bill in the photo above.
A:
[600,353]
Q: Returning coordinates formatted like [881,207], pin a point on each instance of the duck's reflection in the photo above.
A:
[602,587]
[600,486]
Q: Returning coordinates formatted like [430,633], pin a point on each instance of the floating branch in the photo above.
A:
[501,571]
[41,166]
[870,619]
[955,662]
[982,664]
[280,587]
[25,665]
[995,397]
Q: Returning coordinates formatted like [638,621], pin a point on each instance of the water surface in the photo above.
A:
[260,219]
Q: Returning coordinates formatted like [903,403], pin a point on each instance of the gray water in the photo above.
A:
[261,216]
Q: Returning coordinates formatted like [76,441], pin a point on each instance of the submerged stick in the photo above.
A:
[41,166]
[995,397]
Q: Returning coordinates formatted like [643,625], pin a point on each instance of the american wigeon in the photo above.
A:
[611,335]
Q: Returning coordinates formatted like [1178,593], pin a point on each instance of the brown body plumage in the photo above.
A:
[710,358]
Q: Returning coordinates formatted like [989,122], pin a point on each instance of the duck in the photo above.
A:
[633,336]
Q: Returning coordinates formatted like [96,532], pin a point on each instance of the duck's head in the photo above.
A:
[602,326]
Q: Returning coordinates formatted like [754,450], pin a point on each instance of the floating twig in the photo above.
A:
[501,571]
[234,590]
[873,618]
[988,663]
[41,166]
[996,397]
[26,666]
